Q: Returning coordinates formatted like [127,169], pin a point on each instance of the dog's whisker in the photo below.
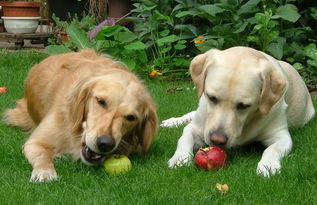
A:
[124,143]
[120,149]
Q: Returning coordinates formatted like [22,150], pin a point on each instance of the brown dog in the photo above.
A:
[85,105]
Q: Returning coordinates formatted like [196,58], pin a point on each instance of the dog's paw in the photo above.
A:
[268,168]
[43,175]
[179,160]
[170,123]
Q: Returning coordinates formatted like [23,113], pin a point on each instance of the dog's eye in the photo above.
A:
[101,102]
[241,106]
[130,117]
[213,99]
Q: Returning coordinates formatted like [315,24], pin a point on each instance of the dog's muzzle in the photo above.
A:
[90,156]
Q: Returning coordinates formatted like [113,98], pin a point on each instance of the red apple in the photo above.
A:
[211,158]
[3,90]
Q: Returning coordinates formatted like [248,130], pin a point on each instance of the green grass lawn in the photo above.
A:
[150,181]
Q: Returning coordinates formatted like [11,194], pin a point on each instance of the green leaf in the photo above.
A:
[181,62]
[141,56]
[313,13]
[167,39]
[210,43]
[112,51]
[260,17]
[179,46]
[311,52]
[138,45]
[159,16]
[126,36]
[164,32]
[178,7]
[186,13]
[258,27]
[271,24]
[254,39]
[298,66]
[241,28]
[99,45]
[79,37]
[211,9]
[57,49]
[248,7]
[288,12]
[187,27]
[290,59]
[130,63]
[165,50]
[109,31]
[276,48]
[312,62]
[149,8]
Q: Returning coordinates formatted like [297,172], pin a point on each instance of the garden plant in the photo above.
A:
[168,34]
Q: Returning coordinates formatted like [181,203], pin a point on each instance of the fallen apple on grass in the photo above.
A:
[3,90]
[211,158]
[117,164]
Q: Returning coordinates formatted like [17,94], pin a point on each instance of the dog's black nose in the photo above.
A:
[105,143]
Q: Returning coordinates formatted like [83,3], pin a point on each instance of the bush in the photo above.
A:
[282,28]
[168,33]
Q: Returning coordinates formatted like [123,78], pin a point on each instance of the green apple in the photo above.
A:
[117,164]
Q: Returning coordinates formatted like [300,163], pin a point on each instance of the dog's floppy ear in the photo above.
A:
[147,127]
[77,105]
[198,68]
[273,87]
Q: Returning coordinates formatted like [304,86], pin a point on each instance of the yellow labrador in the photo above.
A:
[85,105]
[245,95]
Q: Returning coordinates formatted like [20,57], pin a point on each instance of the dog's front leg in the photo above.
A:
[177,121]
[40,150]
[184,150]
[278,146]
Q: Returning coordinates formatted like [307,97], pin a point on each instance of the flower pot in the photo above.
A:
[18,25]
[21,9]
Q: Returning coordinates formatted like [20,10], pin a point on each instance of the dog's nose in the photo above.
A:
[105,143]
[218,138]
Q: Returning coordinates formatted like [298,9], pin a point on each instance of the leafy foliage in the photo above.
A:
[120,42]
[281,28]
[168,34]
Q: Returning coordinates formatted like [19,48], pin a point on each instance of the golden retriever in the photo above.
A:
[245,95]
[85,105]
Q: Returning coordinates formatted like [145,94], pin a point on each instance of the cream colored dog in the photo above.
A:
[85,105]
[245,95]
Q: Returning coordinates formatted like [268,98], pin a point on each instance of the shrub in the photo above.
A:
[282,28]
[168,33]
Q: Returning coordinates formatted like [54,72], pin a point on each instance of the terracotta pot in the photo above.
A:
[21,9]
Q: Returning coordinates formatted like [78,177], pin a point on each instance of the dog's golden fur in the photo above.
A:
[72,99]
